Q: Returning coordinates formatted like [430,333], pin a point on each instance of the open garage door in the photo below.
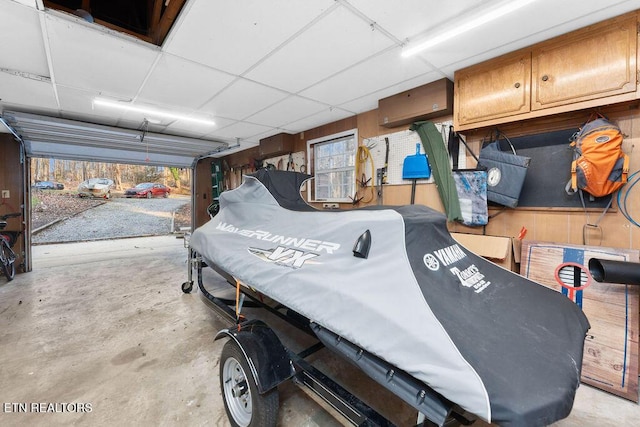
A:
[51,137]
[45,136]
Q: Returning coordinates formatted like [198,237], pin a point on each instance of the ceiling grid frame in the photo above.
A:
[68,94]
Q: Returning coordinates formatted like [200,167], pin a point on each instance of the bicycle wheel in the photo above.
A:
[8,261]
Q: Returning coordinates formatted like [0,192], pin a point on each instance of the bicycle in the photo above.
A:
[7,240]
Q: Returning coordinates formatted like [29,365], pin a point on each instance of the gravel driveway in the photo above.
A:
[119,217]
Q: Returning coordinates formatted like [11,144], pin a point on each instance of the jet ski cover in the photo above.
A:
[499,345]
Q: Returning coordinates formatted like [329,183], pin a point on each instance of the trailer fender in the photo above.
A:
[268,359]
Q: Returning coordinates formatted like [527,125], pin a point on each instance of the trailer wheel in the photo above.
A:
[187,287]
[245,407]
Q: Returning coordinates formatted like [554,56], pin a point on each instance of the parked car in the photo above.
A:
[96,187]
[48,185]
[148,190]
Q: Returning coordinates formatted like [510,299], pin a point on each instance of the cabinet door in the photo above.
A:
[596,62]
[494,89]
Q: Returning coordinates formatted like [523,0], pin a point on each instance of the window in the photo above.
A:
[332,163]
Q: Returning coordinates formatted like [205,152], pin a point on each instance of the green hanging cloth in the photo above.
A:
[438,156]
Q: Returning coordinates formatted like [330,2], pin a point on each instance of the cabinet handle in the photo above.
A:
[517,85]
[545,78]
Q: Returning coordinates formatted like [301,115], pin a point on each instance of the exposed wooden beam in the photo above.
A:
[169,16]
[155,13]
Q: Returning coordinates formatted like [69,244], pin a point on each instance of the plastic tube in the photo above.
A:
[624,272]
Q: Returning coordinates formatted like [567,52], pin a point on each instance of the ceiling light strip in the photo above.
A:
[152,112]
[460,28]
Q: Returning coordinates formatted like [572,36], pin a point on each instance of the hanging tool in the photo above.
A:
[381,173]
[363,155]
[415,167]
[290,165]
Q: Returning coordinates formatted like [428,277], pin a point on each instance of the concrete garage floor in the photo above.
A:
[105,325]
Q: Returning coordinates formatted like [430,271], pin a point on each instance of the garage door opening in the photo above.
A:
[76,201]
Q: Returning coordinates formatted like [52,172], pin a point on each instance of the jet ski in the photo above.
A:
[393,282]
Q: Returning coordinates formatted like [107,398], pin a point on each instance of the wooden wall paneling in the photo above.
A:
[617,231]
[554,227]
[12,179]
[299,143]
[496,225]
[577,220]
[613,230]
[629,122]
[368,125]
[243,159]
[329,129]
[517,219]
[426,194]
[611,354]
[202,195]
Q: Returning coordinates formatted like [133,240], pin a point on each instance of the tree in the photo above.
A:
[117,175]
[175,173]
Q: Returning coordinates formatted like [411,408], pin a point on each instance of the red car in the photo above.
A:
[148,190]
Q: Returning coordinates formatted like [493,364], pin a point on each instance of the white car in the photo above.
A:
[96,187]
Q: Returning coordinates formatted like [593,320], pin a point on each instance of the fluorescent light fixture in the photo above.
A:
[152,112]
[492,15]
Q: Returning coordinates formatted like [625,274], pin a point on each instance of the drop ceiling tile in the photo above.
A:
[328,115]
[87,56]
[22,45]
[233,36]
[133,119]
[242,99]
[182,126]
[370,102]
[19,90]
[408,18]
[240,130]
[76,104]
[381,71]
[179,82]
[287,111]
[31,3]
[362,104]
[336,42]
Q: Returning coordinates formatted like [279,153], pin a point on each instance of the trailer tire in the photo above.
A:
[244,405]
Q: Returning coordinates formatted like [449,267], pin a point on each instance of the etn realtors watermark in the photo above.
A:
[46,407]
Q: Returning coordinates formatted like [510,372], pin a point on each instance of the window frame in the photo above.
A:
[312,146]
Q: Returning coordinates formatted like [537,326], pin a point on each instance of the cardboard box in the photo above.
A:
[496,249]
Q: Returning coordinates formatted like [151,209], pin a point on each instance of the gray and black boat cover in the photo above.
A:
[499,345]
